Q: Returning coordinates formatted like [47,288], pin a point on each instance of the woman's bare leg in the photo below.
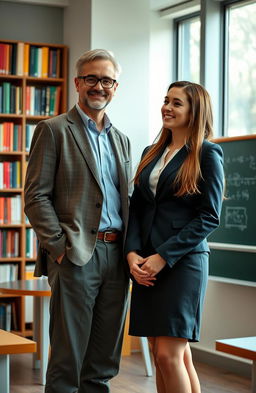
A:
[172,374]
[195,384]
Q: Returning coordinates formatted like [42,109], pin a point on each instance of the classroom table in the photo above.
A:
[244,347]
[41,292]
[11,344]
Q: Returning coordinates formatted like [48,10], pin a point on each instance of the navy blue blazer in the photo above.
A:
[174,225]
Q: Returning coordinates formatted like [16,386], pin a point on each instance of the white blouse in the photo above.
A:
[159,167]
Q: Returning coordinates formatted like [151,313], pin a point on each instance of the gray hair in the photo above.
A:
[97,54]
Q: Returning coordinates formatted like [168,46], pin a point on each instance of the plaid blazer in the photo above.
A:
[62,188]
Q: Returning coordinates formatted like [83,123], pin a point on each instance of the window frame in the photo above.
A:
[214,38]
[226,5]
[176,41]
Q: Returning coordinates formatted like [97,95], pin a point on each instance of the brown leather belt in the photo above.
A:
[109,237]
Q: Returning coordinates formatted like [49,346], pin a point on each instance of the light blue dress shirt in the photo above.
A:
[107,169]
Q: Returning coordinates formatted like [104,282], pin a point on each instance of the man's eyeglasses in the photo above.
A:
[92,80]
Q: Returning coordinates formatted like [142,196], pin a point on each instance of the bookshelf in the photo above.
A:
[33,86]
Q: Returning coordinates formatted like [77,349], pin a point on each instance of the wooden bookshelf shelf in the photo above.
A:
[33,87]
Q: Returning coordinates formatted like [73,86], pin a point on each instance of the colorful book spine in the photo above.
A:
[9,243]
[45,61]
[10,174]
[20,58]
[26,60]
[10,137]
[10,98]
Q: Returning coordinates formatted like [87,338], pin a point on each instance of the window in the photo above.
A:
[240,75]
[188,49]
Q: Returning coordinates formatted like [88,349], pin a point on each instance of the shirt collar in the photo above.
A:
[89,123]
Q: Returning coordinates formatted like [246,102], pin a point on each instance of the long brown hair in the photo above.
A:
[200,128]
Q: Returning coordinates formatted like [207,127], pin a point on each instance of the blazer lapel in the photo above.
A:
[144,177]
[172,167]
[117,148]
[76,126]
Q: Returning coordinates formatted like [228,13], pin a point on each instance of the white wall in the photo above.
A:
[77,36]
[123,28]
[160,69]
[229,312]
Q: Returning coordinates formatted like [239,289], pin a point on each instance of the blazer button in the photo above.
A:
[94,231]
[98,205]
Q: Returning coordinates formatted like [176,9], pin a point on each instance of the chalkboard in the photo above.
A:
[233,244]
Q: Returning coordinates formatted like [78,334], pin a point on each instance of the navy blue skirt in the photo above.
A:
[173,306]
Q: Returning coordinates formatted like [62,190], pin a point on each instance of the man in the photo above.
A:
[76,198]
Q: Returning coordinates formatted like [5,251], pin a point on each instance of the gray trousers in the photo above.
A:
[87,314]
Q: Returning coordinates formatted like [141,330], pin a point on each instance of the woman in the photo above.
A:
[175,205]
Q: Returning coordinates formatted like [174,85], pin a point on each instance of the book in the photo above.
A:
[18,100]
[1,175]
[20,58]
[57,101]
[14,323]
[2,212]
[14,59]
[53,63]
[27,98]
[8,316]
[26,59]
[6,58]
[5,316]
[39,62]
[32,101]
[45,60]
[2,315]
[10,210]
[32,61]
[17,137]
[1,99]
[10,59]
[58,63]
[6,97]
[2,50]
[12,99]
[30,128]
[52,100]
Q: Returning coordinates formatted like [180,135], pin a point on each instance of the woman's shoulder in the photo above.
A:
[146,149]
[211,145]
[212,152]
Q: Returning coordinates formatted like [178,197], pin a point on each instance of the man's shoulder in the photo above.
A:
[118,132]
[71,115]
[57,119]
[121,141]
[120,135]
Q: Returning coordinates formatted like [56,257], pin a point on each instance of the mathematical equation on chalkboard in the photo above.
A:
[236,217]
[240,186]
[249,161]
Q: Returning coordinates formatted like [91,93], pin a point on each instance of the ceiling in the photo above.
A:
[161,4]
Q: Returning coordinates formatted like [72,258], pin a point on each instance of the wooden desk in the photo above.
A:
[41,292]
[10,344]
[244,347]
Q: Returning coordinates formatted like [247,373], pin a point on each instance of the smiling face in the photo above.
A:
[95,99]
[176,110]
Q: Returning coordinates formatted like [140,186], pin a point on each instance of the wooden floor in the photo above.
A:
[131,378]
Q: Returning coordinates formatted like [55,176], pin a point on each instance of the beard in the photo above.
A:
[97,104]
